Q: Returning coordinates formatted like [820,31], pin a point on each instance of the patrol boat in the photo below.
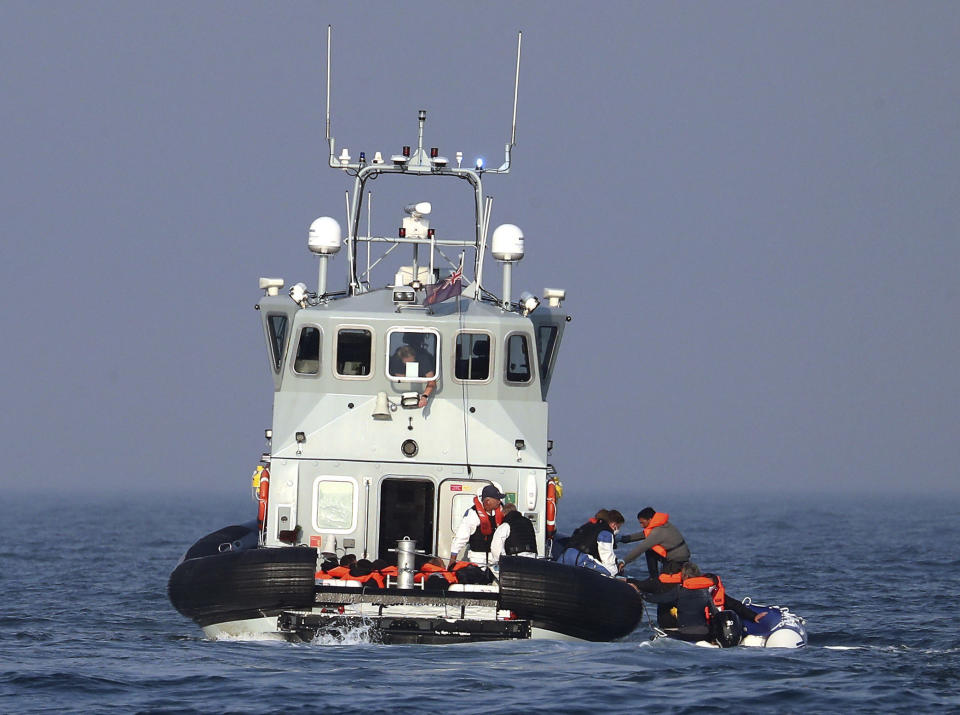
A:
[395,404]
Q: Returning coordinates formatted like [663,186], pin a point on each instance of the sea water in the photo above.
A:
[87,627]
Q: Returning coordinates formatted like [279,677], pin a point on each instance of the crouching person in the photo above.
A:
[699,599]
[694,602]
[591,545]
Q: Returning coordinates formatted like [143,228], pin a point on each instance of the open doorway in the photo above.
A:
[406,509]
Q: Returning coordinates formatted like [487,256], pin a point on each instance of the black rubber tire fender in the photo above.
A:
[242,584]
[572,600]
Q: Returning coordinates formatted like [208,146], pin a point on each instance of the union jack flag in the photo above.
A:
[447,288]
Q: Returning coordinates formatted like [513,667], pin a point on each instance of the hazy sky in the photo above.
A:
[754,209]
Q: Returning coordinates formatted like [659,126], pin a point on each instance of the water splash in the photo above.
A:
[348,635]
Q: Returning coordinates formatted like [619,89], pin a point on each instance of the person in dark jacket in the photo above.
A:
[698,598]
[514,537]
[665,548]
[591,545]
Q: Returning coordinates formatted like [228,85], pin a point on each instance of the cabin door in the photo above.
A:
[456,496]
[406,509]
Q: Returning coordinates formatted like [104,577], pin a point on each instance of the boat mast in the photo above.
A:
[418,163]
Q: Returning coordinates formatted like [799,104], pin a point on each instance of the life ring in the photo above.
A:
[263,494]
[551,508]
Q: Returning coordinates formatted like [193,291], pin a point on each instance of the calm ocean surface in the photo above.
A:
[88,628]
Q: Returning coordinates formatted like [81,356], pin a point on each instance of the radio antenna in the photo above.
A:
[516,87]
[505,167]
[330,139]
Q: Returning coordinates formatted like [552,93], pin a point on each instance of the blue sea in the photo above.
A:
[87,626]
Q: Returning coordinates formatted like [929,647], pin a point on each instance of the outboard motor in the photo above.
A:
[727,629]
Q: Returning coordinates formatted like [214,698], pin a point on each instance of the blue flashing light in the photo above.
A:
[479,163]
[363,156]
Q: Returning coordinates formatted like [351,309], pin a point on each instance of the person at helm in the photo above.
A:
[476,528]
[661,541]
[591,545]
[406,354]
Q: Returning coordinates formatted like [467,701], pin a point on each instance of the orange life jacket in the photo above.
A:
[670,577]
[372,576]
[486,528]
[658,519]
[343,572]
[428,570]
[712,582]
[339,572]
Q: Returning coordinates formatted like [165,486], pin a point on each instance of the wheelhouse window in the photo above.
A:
[277,327]
[518,359]
[307,360]
[354,352]
[472,361]
[412,355]
[546,340]
[334,505]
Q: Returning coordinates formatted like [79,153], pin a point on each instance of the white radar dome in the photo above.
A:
[325,236]
[507,243]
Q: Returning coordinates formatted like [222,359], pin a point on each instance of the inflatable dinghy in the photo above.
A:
[778,629]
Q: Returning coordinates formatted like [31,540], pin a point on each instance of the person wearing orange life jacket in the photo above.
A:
[661,541]
[698,598]
[476,528]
